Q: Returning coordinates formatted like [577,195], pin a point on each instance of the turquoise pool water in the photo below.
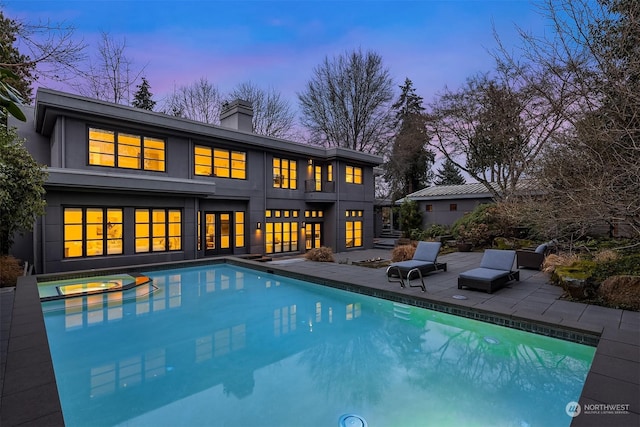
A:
[228,346]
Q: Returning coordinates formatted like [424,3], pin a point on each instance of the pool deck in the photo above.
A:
[29,394]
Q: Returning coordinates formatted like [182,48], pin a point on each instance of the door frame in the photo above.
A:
[218,233]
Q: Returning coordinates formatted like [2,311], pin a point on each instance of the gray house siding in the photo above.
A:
[442,213]
[57,136]
[445,204]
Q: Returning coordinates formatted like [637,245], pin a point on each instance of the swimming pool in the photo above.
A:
[223,345]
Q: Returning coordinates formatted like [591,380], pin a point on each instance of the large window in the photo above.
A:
[353,232]
[92,232]
[284,173]
[158,230]
[353,175]
[221,163]
[125,150]
[281,234]
[239,229]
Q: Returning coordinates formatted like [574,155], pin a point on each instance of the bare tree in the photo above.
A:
[200,101]
[110,76]
[347,103]
[272,115]
[494,128]
[591,172]
[40,50]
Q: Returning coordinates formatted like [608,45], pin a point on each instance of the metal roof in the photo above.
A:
[463,191]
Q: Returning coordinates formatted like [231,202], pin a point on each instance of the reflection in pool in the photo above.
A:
[228,346]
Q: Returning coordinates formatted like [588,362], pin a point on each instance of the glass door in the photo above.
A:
[313,235]
[217,232]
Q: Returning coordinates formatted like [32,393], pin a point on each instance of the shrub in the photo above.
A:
[402,253]
[10,270]
[552,261]
[606,255]
[624,265]
[321,254]
[435,230]
[621,292]
[418,234]
[410,216]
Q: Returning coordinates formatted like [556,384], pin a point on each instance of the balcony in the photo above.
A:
[319,191]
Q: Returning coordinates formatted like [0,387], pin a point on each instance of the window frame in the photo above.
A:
[156,230]
[354,228]
[353,175]
[285,177]
[231,158]
[87,236]
[120,154]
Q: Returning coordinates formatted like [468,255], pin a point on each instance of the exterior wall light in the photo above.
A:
[258,225]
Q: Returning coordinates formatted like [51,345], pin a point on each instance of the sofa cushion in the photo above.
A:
[541,248]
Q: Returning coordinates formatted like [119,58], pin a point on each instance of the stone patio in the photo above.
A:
[29,393]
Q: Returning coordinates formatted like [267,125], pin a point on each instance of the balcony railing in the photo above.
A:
[313,186]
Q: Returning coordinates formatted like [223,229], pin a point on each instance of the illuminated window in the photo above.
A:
[158,230]
[220,163]
[92,232]
[353,229]
[428,208]
[125,150]
[313,214]
[329,173]
[239,229]
[284,173]
[199,230]
[353,175]
[318,178]
[281,237]
[453,207]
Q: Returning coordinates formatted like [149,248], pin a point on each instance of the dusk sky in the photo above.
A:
[435,43]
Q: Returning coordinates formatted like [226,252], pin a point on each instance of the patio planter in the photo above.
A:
[372,263]
[464,247]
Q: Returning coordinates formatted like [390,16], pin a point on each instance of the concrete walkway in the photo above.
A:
[29,394]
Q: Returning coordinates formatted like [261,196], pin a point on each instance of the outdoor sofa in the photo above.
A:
[533,258]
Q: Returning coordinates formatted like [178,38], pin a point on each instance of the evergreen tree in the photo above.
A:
[143,96]
[408,169]
[21,188]
[449,174]
[22,68]
[410,217]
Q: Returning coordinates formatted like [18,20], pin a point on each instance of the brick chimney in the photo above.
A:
[237,115]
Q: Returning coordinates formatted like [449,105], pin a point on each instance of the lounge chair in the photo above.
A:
[533,258]
[496,269]
[423,262]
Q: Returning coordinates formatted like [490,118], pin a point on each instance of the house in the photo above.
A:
[128,186]
[444,204]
